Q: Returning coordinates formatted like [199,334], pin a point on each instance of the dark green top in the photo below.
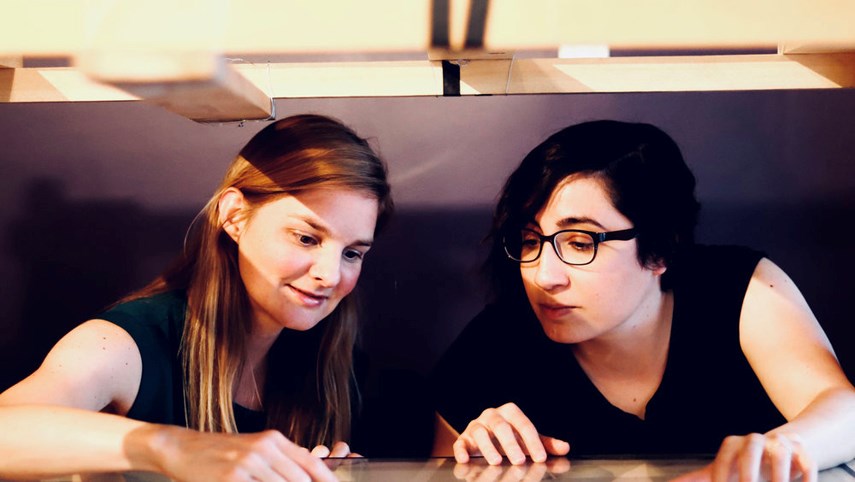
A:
[156,324]
[392,416]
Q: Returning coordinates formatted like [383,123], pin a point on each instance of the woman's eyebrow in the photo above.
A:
[573,220]
[312,223]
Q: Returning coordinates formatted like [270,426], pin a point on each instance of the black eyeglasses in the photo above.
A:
[573,246]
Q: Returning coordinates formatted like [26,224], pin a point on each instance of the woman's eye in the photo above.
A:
[581,246]
[530,242]
[305,239]
[353,255]
[578,243]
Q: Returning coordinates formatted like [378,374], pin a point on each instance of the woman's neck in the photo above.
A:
[636,347]
[249,387]
[627,365]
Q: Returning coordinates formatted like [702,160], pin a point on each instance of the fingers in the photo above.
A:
[504,430]
[750,458]
[555,446]
[514,420]
[339,449]
[803,462]
[779,454]
[788,458]
[321,451]
[482,438]
[754,457]
[462,448]
[312,467]
[723,463]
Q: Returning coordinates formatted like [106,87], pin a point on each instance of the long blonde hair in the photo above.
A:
[307,394]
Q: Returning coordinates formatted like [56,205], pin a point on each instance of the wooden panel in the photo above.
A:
[659,74]
[669,23]
[55,85]
[225,96]
[11,62]
[347,79]
[66,27]
[243,91]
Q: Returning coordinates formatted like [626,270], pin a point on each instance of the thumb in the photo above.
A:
[554,446]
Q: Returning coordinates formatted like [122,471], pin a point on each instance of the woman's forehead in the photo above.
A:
[580,198]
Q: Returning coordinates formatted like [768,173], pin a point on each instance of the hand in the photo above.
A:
[266,456]
[753,457]
[505,430]
[533,472]
[339,450]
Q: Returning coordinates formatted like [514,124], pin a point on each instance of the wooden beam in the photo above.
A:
[68,27]
[347,79]
[55,85]
[669,23]
[11,62]
[228,96]
[659,74]
[198,85]
[224,98]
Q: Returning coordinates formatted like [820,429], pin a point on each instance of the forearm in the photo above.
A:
[45,441]
[444,437]
[826,427]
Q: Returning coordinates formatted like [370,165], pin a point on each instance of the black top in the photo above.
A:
[156,325]
[708,390]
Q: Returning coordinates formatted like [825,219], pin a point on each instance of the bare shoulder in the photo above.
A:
[784,342]
[96,366]
[773,300]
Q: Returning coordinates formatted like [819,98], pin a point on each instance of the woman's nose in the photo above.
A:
[326,268]
[551,271]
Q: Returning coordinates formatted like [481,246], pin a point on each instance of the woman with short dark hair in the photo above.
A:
[613,333]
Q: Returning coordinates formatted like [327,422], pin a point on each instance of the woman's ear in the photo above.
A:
[231,208]
[656,265]
[659,267]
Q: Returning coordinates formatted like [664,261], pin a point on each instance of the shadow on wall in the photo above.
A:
[75,258]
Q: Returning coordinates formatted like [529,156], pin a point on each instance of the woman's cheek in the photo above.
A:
[348,280]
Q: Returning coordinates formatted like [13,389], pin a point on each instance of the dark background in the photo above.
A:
[96,198]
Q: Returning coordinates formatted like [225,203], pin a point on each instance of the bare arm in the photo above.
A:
[50,423]
[444,436]
[96,366]
[794,361]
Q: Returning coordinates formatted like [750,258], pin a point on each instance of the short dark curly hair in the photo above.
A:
[642,169]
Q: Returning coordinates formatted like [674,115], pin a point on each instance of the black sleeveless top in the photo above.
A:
[708,390]
[156,325]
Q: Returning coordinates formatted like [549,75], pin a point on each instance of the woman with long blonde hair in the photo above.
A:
[238,358]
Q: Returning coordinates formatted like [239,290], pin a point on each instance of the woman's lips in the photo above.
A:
[308,298]
[556,310]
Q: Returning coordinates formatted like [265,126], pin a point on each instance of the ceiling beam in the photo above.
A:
[11,62]
[425,78]
[68,27]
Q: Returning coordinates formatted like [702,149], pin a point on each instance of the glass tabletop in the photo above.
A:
[446,469]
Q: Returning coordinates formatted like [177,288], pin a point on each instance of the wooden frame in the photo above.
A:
[187,66]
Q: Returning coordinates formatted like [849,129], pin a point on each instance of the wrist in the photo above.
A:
[149,446]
